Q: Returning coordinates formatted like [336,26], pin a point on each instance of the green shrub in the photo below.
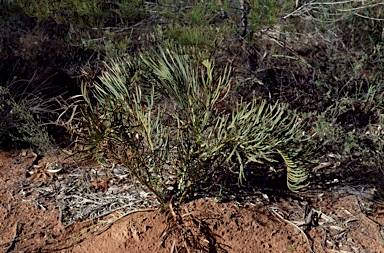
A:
[265,12]
[173,130]
[192,36]
[20,113]
[86,14]
[95,25]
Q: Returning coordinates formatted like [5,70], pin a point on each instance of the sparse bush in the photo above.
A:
[192,36]
[20,113]
[266,12]
[90,14]
[174,145]
[95,25]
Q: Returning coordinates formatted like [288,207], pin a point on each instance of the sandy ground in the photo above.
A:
[328,221]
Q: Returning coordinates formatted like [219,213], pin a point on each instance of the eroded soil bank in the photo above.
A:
[342,220]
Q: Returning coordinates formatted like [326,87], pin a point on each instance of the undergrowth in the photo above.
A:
[21,114]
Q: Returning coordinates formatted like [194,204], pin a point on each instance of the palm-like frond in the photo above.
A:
[295,176]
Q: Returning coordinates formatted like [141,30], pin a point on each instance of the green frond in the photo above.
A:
[295,176]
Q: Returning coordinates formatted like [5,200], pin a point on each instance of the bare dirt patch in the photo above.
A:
[342,220]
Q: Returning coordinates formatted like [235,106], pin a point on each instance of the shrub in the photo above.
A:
[96,25]
[171,135]
[21,116]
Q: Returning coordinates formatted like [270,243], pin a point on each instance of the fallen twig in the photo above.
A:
[273,210]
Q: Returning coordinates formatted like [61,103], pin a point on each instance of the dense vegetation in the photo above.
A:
[186,94]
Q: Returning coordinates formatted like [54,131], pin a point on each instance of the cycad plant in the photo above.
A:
[160,118]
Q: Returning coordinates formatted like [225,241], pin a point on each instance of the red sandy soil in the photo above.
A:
[339,222]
